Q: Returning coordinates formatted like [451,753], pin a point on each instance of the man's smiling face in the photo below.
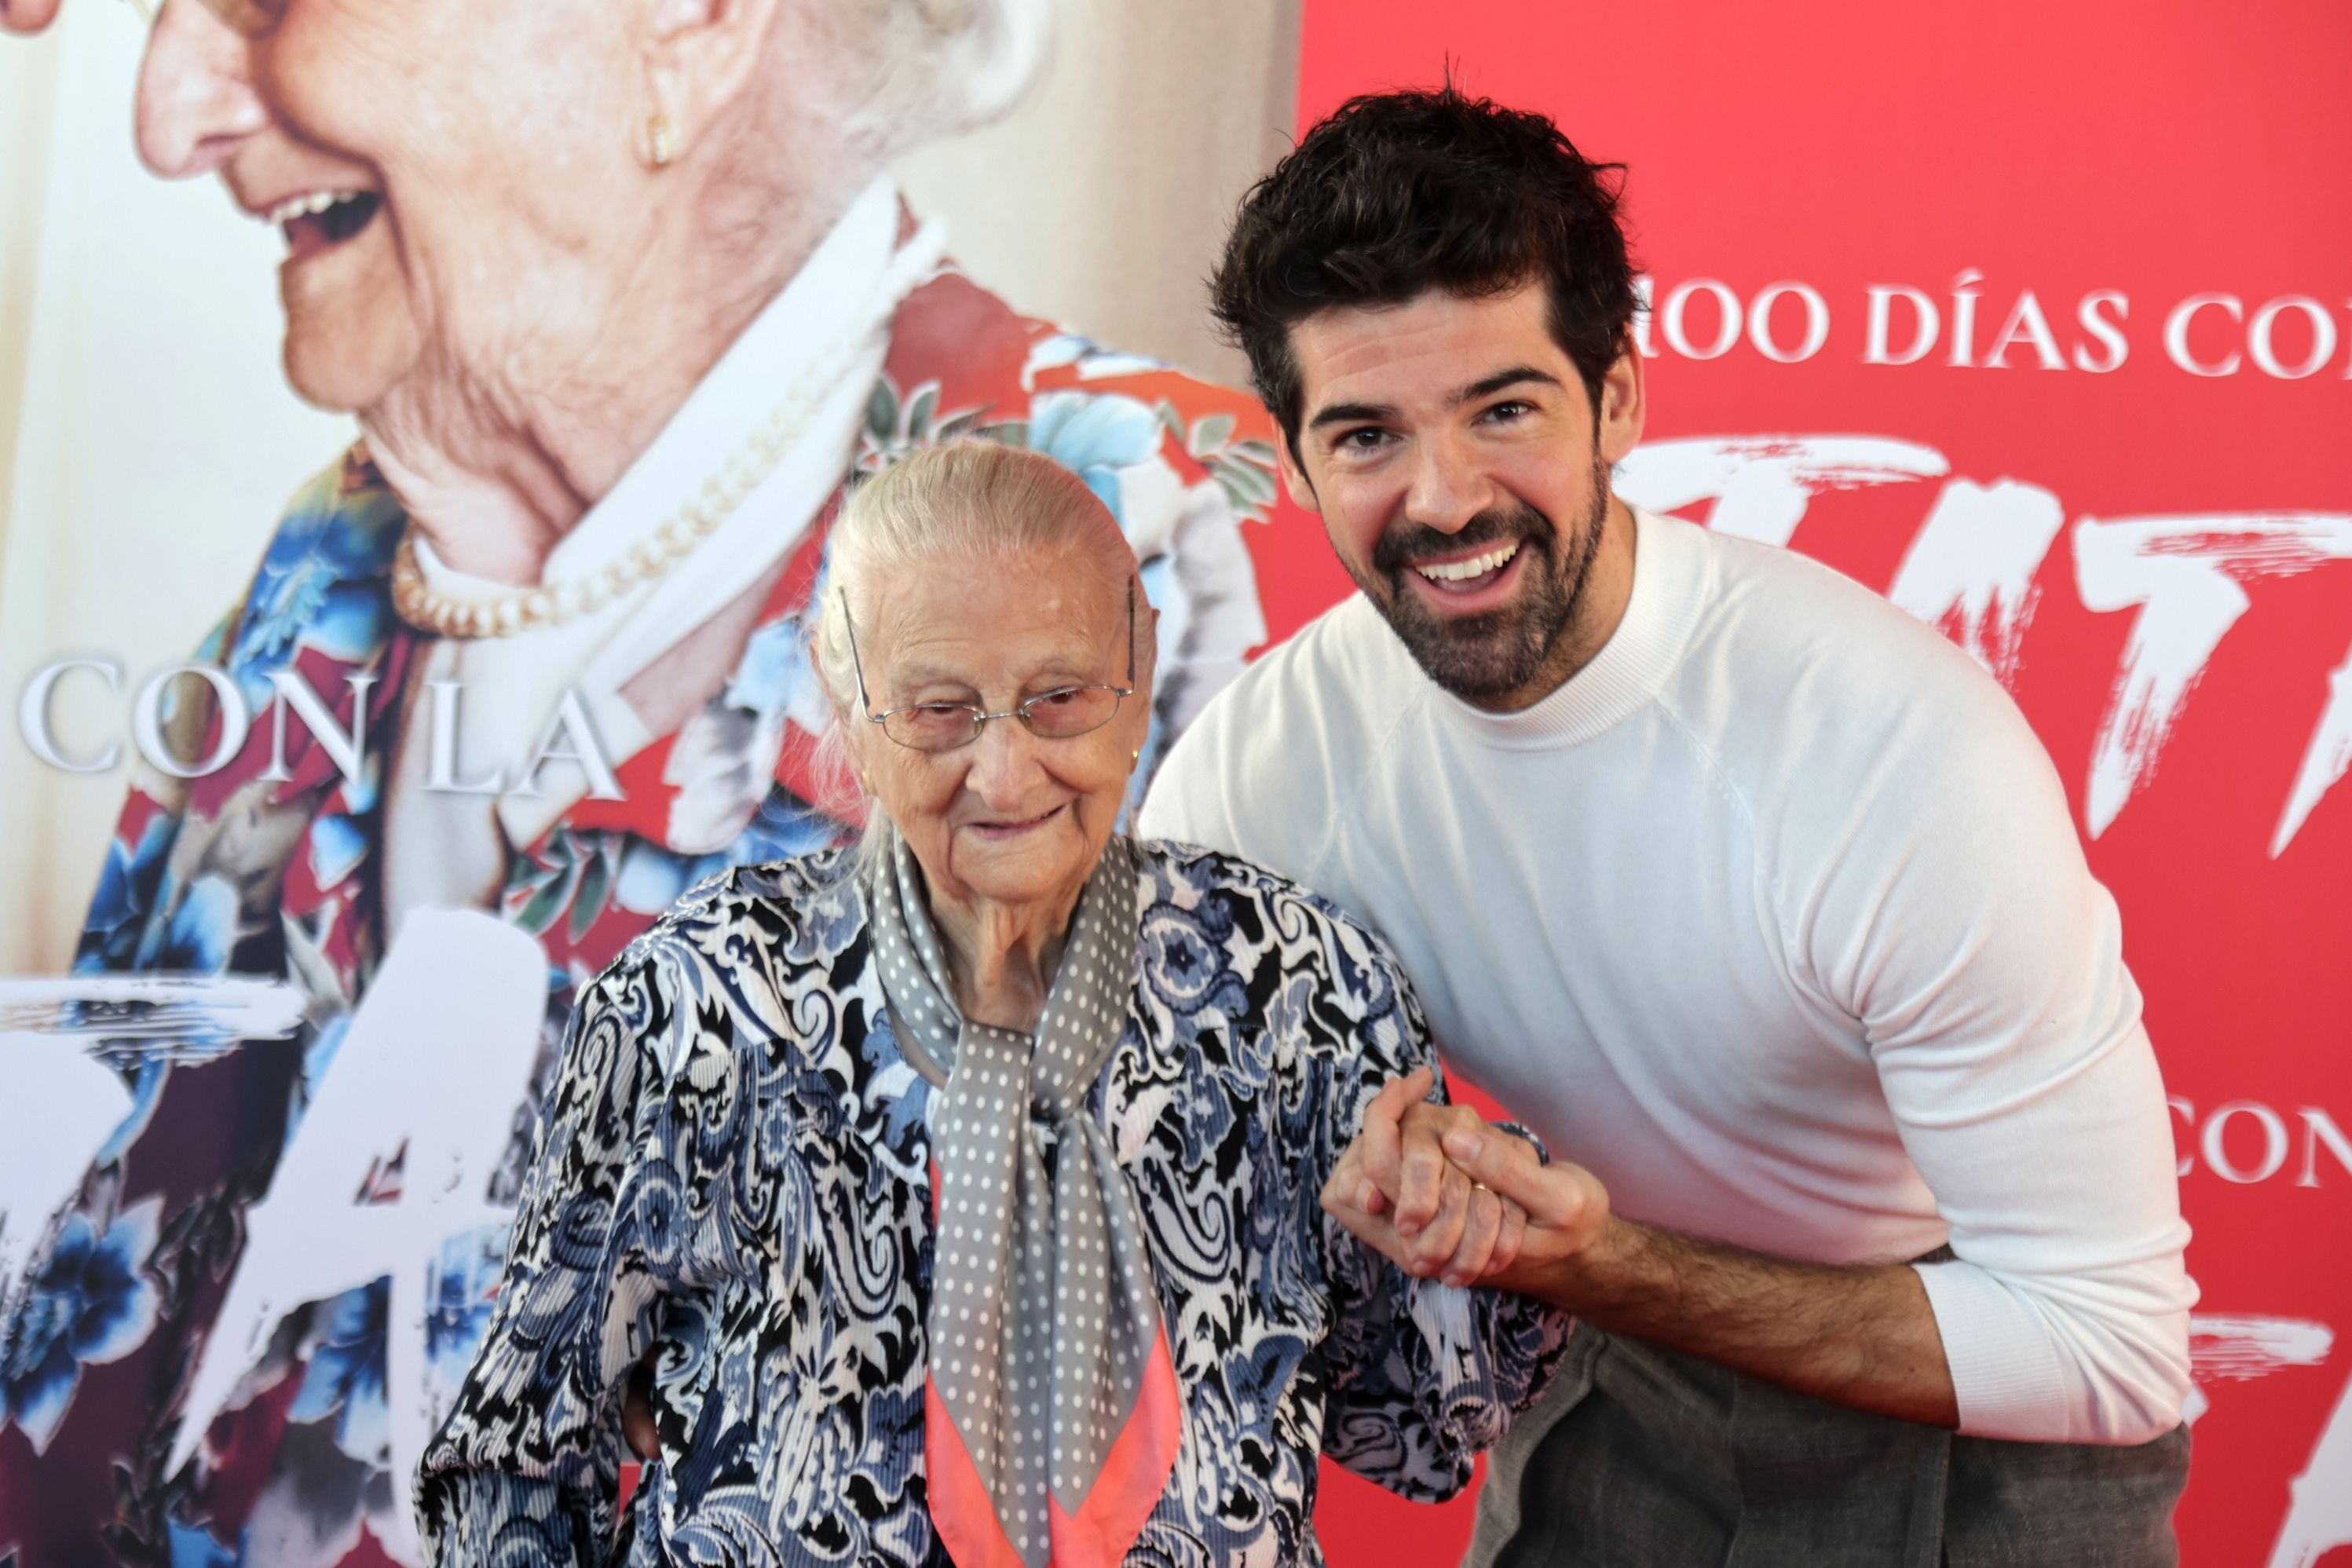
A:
[1462,474]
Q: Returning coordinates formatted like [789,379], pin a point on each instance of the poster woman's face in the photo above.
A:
[455,181]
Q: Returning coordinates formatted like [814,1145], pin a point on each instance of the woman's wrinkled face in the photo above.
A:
[1012,818]
[454,179]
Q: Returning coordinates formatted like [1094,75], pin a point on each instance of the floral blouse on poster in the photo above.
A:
[733,1170]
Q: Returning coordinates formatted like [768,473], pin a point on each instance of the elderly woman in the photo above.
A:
[965,1187]
[619,298]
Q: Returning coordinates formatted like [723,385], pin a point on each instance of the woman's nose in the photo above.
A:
[196,99]
[1004,762]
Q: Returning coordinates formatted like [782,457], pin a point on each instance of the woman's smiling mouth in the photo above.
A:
[997,833]
[315,221]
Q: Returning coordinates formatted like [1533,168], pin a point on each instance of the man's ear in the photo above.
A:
[1619,418]
[698,55]
[1293,475]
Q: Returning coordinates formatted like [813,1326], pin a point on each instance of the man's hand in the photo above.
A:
[1435,1188]
[1440,1193]
[1566,1214]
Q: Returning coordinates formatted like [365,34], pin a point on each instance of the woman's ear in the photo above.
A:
[1134,721]
[1147,644]
[853,738]
[698,55]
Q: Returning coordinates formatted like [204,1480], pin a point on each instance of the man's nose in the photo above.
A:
[196,100]
[1447,488]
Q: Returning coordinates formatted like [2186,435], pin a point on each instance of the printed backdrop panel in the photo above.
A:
[2039,319]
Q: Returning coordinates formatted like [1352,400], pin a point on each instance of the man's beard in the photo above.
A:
[1501,650]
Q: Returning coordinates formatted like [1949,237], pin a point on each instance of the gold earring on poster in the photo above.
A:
[1133,757]
[661,141]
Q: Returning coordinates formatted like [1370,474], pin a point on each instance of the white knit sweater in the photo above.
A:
[1774,917]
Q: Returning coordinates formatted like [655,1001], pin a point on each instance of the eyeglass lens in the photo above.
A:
[1057,716]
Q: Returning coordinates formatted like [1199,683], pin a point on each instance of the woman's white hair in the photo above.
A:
[964,505]
[935,68]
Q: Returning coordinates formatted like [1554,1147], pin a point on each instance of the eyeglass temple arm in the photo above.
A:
[856,667]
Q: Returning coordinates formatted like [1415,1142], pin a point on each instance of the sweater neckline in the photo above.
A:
[1661,612]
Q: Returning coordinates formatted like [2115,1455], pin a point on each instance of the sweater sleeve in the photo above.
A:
[1951,912]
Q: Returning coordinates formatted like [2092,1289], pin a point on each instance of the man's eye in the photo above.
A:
[1505,413]
[1366,439]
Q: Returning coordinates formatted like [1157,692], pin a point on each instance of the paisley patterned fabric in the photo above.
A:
[733,1169]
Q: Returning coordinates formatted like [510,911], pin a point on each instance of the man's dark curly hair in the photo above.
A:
[1400,192]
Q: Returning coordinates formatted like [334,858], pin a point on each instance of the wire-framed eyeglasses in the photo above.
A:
[1061,714]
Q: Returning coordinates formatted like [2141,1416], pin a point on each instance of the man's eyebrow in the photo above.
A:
[1351,413]
[1379,413]
[1517,375]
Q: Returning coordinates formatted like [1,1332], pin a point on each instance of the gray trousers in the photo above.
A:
[1640,1457]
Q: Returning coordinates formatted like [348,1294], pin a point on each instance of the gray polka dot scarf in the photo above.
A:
[1051,1412]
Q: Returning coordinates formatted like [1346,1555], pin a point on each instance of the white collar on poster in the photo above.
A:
[842,298]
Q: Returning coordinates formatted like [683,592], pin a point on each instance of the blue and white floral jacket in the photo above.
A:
[733,1170]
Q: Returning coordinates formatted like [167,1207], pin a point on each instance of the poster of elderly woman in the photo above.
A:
[609,304]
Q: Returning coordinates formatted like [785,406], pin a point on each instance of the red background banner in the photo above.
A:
[2182,642]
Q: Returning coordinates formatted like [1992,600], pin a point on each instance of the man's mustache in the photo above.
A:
[1401,546]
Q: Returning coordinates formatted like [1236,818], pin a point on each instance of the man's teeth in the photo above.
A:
[293,207]
[1476,566]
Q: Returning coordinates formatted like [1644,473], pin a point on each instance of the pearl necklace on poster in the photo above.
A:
[654,557]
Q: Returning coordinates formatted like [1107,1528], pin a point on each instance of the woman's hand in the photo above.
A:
[1409,1202]
[1440,1193]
